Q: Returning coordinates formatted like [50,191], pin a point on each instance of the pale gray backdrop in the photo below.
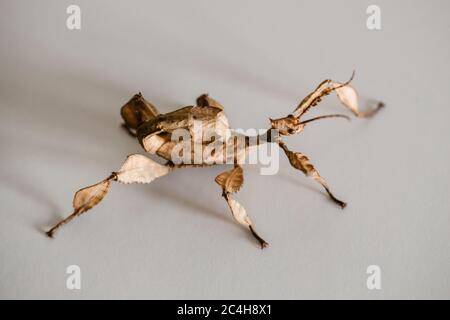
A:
[60,95]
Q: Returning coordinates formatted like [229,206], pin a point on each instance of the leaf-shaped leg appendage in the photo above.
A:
[85,199]
[136,169]
[232,181]
[349,98]
[301,162]
[346,94]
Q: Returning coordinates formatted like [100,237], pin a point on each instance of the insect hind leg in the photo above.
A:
[136,169]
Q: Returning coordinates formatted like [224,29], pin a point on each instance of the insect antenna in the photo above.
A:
[325,117]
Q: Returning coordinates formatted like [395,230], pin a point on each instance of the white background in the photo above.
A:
[60,95]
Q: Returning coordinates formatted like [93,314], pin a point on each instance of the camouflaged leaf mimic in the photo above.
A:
[301,162]
[88,197]
[348,97]
[140,169]
[238,212]
[231,181]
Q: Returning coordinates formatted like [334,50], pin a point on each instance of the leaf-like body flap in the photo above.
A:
[348,97]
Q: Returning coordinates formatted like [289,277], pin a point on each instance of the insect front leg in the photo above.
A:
[301,162]
[136,169]
[293,124]
[231,181]
[346,94]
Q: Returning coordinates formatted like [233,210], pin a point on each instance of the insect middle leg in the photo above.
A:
[301,162]
[231,181]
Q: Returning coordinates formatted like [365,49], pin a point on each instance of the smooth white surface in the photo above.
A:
[60,94]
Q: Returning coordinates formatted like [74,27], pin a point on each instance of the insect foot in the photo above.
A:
[262,242]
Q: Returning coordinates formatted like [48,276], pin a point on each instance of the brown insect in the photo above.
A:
[155,131]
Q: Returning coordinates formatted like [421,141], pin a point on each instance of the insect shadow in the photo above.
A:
[35,194]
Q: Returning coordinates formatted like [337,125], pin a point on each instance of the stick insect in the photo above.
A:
[154,132]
